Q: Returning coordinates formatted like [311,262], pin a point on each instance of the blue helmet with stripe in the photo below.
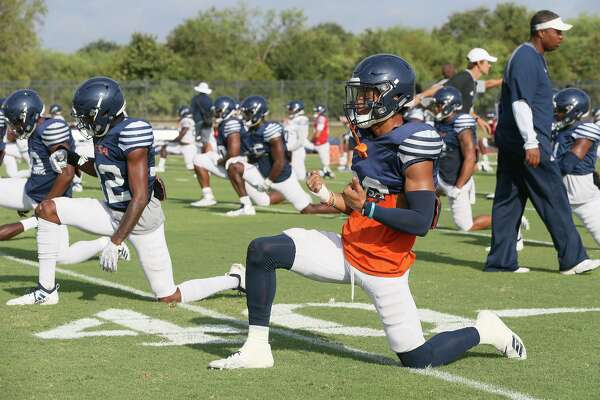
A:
[570,105]
[295,107]
[254,109]
[224,107]
[381,86]
[22,109]
[96,103]
[446,101]
[184,111]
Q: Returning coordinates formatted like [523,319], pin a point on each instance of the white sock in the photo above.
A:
[76,179]
[246,202]
[162,162]
[207,193]
[257,335]
[82,251]
[29,223]
[48,242]
[198,289]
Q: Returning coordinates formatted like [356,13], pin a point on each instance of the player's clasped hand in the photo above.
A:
[314,181]
[354,195]
[58,160]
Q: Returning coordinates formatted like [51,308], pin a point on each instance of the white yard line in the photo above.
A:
[435,373]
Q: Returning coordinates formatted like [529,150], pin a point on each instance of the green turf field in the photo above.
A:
[107,339]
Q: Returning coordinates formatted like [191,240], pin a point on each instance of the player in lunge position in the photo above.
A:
[124,162]
[390,202]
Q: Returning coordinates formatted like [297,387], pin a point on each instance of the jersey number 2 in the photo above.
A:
[116,182]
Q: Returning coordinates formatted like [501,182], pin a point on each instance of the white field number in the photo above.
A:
[286,315]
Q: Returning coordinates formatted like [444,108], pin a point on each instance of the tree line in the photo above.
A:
[242,43]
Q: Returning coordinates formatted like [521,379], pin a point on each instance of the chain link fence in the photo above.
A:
[159,100]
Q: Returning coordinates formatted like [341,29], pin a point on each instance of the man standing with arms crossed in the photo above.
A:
[525,168]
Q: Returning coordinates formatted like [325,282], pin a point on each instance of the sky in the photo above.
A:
[71,24]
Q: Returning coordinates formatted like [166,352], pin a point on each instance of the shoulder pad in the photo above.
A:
[464,121]
[588,131]
[55,131]
[272,130]
[137,133]
[423,143]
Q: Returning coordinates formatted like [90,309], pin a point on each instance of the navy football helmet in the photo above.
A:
[224,107]
[446,101]
[295,107]
[22,110]
[254,109]
[319,109]
[570,105]
[55,109]
[380,86]
[184,111]
[96,103]
[596,115]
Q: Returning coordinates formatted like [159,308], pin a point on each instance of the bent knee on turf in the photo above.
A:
[47,210]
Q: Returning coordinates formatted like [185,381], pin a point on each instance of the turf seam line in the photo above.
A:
[434,373]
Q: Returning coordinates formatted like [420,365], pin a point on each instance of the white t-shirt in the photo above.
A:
[190,135]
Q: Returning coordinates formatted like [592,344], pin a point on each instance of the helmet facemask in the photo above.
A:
[368,104]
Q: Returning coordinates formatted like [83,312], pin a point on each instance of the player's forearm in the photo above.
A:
[88,167]
[130,219]
[466,171]
[62,182]
[276,168]
[414,220]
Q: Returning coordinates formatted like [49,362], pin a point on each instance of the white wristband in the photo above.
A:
[323,194]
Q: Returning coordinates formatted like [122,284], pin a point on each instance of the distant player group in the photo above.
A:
[399,163]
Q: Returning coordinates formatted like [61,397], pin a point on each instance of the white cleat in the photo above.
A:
[237,270]
[204,202]
[77,187]
[244,210]
[493,331]
[39,295]
[490,196]
[249,356]
[584,266]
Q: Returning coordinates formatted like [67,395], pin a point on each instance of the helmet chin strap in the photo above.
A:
[361,148]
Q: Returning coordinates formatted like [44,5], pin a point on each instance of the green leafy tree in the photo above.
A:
[18,39]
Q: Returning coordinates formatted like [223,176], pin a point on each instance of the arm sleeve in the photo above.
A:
[524,120]
[136,134]
[55,133]
[414,220]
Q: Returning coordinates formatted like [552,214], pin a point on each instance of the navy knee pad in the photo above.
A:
[271,252]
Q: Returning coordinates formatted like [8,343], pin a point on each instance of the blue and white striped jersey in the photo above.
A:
[3,129]
[391,154]
[565,138]
[260,139]
[52,132]
[452,158]
[110,152]
[230,126]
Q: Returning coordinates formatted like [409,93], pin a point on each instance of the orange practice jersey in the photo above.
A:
[375,249]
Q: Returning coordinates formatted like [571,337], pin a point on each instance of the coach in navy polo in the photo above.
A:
[525,167]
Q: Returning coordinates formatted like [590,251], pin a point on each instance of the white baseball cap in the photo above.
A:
[556,23]
[202,87]
[479,54]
